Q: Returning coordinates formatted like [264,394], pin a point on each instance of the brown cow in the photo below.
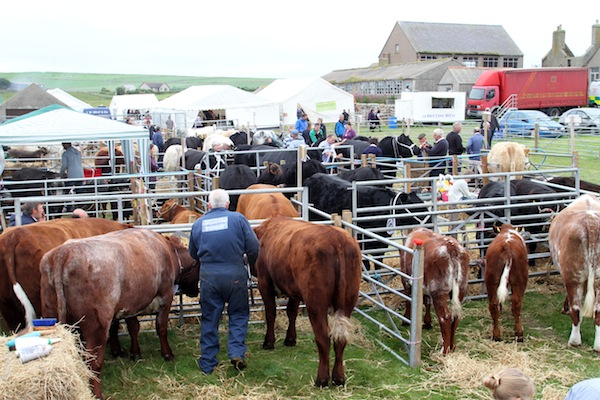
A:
[102,160]
[117,275]
[574,240]
[506,264]
[265,205]
[22,248]
[446,268]
[177,214]
[322,274]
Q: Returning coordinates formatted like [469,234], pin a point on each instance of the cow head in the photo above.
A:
[189,269]
[166,211]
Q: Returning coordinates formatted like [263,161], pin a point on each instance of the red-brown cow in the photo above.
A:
[446,268]
[117,275]
[322,274]
[22,248]
[506,264]
[265,205]
[177,214]
[574,240]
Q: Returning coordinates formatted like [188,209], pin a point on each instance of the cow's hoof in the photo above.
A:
[427,326]
[119,354]
[168,357]
[135,357]
[497,339]
[520,339]
[289,342]
[268,346]
[338,382]
[322,382]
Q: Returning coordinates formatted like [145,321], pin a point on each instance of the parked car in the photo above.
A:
[522,122]
[587,120]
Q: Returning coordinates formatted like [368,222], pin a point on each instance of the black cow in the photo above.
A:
[362,174]
[28,154]
[331,194]
[191,142]
[239,138]
[527,214]
[289,172]
[570,182]
[236,176]
[266,153]
[359,147]
[398,147]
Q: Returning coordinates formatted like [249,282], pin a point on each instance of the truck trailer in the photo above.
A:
[551,90]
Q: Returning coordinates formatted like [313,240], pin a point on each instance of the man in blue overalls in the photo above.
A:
[219,241]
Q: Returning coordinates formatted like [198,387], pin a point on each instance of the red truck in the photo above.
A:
[551,90]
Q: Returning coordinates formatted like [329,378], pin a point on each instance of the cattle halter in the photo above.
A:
[160,213]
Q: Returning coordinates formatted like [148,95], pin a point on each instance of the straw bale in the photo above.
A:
[63,374]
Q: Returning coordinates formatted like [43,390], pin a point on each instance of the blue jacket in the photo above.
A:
[339,129]
[301,125]
[220,238]
[474,145]
[26,219]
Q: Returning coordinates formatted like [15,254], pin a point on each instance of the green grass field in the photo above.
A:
[372,373]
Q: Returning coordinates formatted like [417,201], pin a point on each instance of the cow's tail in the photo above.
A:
[9,261]
[502,291]
[455,303]
[341,326]
[29,310]
[59,289]
[588,303]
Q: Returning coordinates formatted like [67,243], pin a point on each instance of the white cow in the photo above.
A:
[508,157]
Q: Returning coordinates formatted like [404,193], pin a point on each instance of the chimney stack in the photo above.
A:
[596,34]
[558,40]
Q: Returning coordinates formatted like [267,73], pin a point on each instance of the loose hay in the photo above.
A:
[466,369]
[62,374]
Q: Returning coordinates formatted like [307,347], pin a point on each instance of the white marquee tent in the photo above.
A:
[56,124]
[71,101]
[316,96]
[236,105]
[141,102]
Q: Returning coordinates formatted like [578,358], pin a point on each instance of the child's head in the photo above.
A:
[510,384]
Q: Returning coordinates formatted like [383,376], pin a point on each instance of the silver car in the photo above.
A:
[587,120]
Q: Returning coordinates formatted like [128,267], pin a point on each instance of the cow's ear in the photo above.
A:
[496,229]
[519,229]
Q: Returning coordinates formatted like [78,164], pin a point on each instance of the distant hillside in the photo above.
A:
[75,82]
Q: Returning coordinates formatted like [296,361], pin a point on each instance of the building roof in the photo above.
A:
[444,38]
[461,75]
[31,98]
[389,72]
[154,85]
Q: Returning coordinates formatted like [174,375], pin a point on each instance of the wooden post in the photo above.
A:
[215,182]
[484,168]
[536,135]
[347,216]
[373,160]
[455,165]
[337,220]
[363,160]
[191,189]
[407,168]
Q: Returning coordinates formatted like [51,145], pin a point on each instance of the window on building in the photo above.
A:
[397,48]
[380,87]
[470,61]
[372,87]
[594,73]
[510,62]
[425,57]
[490,62]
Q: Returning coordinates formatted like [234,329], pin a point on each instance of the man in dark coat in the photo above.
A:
[455,146]
[438,150]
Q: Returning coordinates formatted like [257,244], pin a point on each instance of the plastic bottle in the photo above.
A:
[24,342]
[32,352]
[11,342]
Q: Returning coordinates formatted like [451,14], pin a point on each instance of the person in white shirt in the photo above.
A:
[329,154]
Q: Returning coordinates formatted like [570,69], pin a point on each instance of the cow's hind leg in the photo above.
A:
[341,325]
[162,325]
[292,313]
[516,305]
[95,335]
[444,318]
[575,308]
[267,291]
[318,320]
[113,340]
[133,327]
[494,309]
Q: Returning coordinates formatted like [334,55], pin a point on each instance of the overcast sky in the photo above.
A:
[271,39]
